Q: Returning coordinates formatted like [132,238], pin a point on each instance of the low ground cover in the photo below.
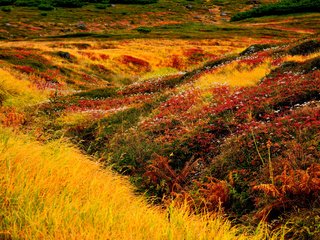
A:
[233,143]
[224,120]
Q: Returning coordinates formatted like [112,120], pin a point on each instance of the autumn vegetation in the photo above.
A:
[52,191]
[190,127]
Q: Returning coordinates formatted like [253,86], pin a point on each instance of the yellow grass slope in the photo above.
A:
[234,75]
[16,92]
[54,192]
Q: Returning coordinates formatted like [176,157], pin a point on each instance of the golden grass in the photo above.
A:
[234,75]
[73,118]
[54,192]
[158,53]
[160,72]
[300,58]
[18,92]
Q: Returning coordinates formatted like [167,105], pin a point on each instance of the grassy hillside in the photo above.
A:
[224,133]
[193,131]
[204,117]
[52,191]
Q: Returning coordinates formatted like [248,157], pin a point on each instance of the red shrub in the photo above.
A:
[126,59]
[9,117]
[104,56]
[25,69]
[176,62]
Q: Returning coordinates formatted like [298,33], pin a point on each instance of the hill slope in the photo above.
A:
[221,116]
[225,133]
[53,192]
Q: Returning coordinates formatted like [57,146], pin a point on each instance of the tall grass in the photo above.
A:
[157,53]
[234,75]
[52,191]
[18,92]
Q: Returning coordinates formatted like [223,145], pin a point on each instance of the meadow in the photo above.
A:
[53,191]
[190,127]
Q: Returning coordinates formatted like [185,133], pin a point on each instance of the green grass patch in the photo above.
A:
[281,8]
[98,93]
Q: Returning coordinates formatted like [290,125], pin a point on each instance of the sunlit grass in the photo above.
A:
[233,75]
[300,58]
[158,53]
[18,92]
[53,192]
[73,118]
[160,72]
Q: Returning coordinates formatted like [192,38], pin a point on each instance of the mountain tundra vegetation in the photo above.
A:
[160,119]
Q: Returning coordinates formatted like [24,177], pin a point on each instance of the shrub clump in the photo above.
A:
[291,66]
[280,8]
[133,1]
[143,29]
[6,9]
[68,3]
[6,2]
[102,6]
[40,3]
[255,48]
[99,93]
[27,3]
[305,48]
[45,7]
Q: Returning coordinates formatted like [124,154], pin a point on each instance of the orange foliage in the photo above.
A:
[9,117]
[160,171]
[292,187]
[127,59]
[176,62]
[213,194]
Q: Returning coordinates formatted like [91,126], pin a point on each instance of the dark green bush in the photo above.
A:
[27,3]
[68,3]
[305,67]
[6,9]
[306,48]
[45,7]
[133,1]
[255,48]
[6,2]
[143,29]
[98,1]
[102,6]
[280,8]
